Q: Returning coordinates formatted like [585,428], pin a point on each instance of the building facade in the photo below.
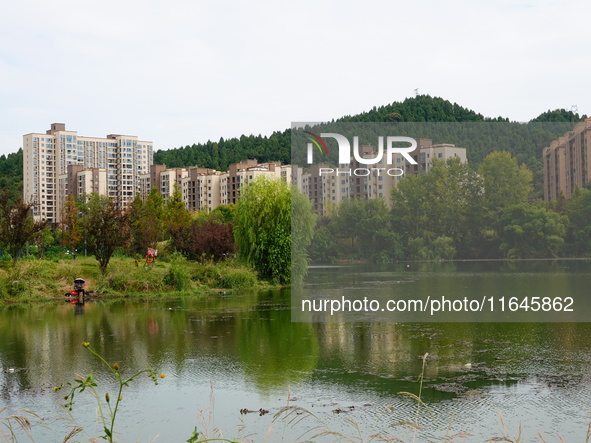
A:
[46,158]
[60,162]
[204,189]
[328,189]
[567,162]
[201,189]
[79,182]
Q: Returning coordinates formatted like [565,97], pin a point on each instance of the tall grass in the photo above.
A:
[47,279]
[8,423]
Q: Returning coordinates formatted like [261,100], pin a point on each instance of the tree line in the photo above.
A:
[523,142]
[257,229]
[452,212]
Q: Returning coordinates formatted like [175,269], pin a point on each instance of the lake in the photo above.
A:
[231,353]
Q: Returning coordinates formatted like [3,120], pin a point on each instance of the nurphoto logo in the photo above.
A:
[388,147]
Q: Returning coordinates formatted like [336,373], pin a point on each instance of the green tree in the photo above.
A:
[136,214]
[367,223]
[106,227]
[303,220]
[505,182]
[579,214]
[444,202]
[346,218]
[147,221]
[70,223]
[17,225]
[11,175]
[263,228]
[323,248]
[560,205]
[224,213]
[531,231]
[175,212]
[43,238]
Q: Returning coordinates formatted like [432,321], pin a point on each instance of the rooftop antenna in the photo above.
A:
[574,109]
[416,92]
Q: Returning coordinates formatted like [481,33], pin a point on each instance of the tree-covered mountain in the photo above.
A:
[422,108]
[218,155]
[525,143]
[11,175]
[559,115]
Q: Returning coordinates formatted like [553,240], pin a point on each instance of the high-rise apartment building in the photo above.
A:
[79,181]
[204,189]
[330,188]
[567,162]
[201,189]
[46,158]
[240,174]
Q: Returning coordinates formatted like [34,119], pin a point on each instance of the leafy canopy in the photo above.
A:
[263,228]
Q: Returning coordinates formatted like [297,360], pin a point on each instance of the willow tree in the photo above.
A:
[263,228]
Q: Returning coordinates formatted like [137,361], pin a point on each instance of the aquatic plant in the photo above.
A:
[82,383]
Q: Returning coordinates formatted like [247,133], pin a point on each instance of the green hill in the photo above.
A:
[525,145]
[11,174]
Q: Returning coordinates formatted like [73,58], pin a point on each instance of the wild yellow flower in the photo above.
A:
[115,366]
[85,344]
[162,375]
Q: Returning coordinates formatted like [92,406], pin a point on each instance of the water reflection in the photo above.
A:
[254,355]
[488,288]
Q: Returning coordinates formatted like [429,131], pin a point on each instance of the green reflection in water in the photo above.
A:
[276,352]
[249,342]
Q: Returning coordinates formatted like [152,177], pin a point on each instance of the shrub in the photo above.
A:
[141,280]
[177,276]
[210,240]
[206,273]
[240,278]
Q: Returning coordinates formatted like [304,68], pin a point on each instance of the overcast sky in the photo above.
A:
[179,72]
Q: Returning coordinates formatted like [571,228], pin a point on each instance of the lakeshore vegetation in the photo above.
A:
[152,248]
[454,212]
[489,208]
[447,213]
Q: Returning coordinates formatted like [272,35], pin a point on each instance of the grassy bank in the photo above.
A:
[35,279]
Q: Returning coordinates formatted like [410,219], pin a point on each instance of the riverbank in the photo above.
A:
[43,280]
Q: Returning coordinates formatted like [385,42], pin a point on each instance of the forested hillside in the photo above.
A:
[218,155]
[11,174]
[525,142]
[422,108]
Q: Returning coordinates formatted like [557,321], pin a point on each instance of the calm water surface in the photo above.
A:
[228,353]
